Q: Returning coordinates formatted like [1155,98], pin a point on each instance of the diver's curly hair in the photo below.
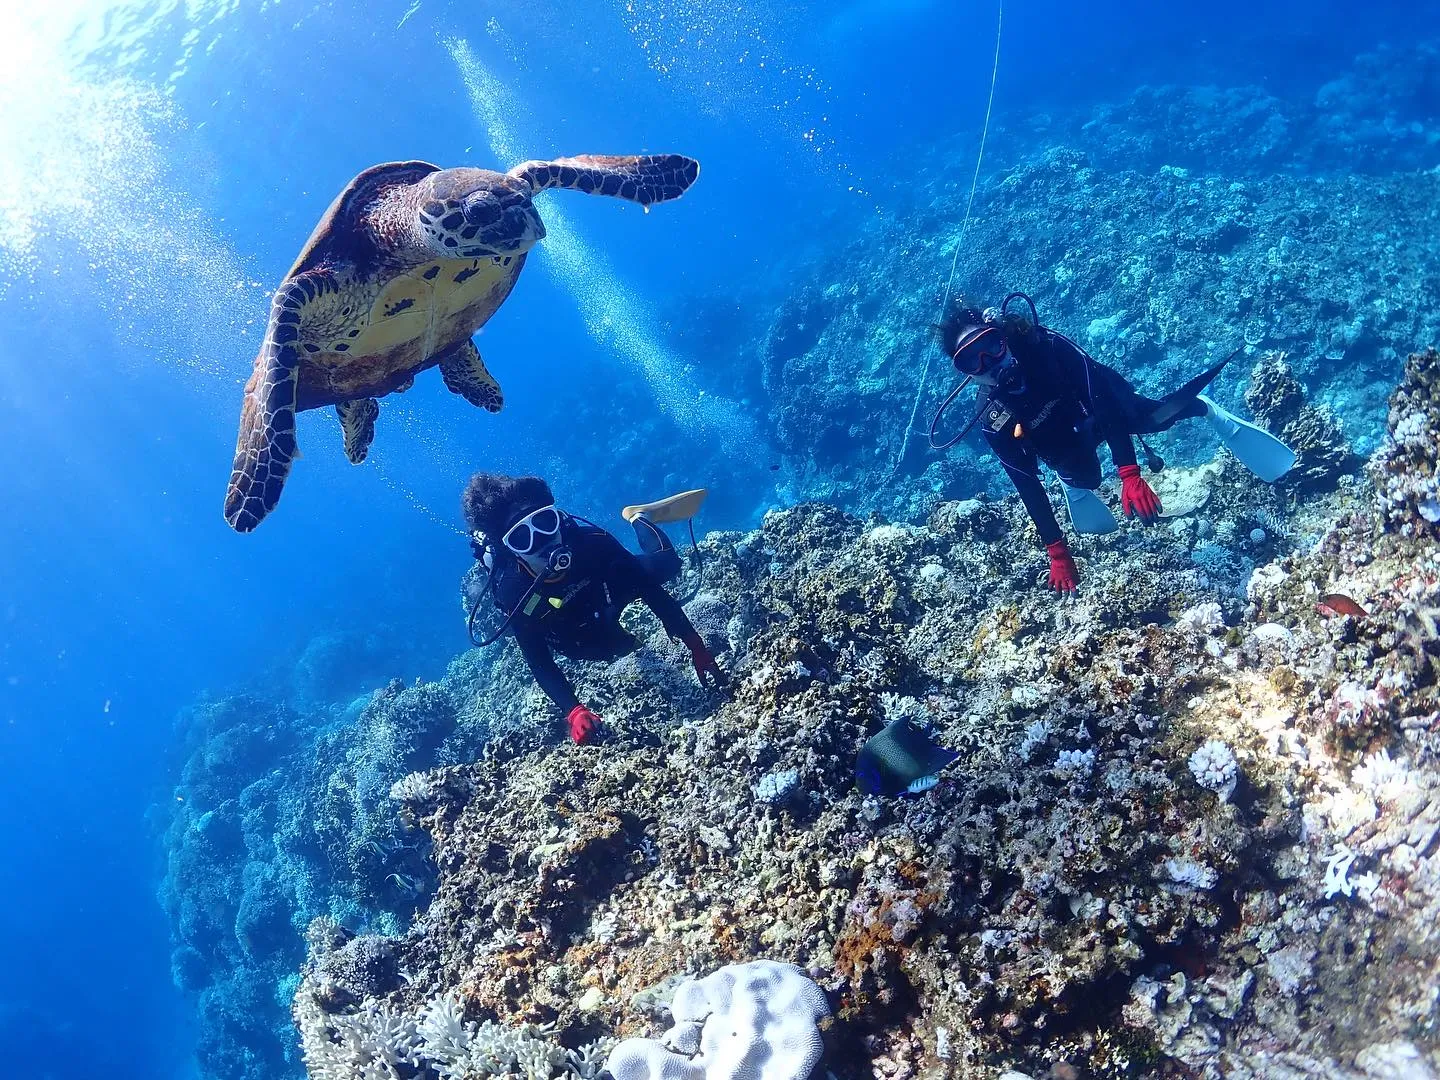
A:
[492,502]
[961,313]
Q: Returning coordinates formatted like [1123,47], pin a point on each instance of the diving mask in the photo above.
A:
[983,354]
[536,540]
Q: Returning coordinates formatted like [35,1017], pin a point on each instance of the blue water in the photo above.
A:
[158,172]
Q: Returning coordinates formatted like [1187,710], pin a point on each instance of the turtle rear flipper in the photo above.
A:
[465,374]
[642,178]
[357,424]
[265,448]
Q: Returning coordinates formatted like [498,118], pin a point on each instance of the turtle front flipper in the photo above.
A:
[644,178]
[465,374]
[265,448]
[357,423]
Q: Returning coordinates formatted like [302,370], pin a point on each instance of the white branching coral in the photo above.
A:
[1036,732]
[896,706]
[1381,776]
[374,1042]
[1337,872]
[413,787]
[369,1044]
[444,1032]
[1214,767]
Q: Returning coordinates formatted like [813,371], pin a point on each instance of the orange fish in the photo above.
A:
[1339,604]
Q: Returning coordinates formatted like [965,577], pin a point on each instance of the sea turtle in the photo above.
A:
[407,263]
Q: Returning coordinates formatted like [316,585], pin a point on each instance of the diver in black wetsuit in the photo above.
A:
[561,583]
[1043,398]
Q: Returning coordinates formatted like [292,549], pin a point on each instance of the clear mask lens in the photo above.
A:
[533,531]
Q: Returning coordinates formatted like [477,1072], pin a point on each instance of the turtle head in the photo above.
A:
[476,213]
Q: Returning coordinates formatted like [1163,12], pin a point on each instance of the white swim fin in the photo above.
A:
[1259,451]
[1088,513]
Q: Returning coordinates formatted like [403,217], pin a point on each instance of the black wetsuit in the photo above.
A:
[604,578]
[1067,406]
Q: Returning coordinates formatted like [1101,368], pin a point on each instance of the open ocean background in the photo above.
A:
[160,166]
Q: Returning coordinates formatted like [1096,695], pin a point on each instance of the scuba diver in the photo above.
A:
[561,582]
[1043,398]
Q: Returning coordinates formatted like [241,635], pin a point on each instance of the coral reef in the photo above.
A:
[1209,218]
[1192,822]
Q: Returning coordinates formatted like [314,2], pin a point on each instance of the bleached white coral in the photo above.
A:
[1190,874]
[1214,767]
[888,534]
[444,1032]
[758,1021]
[1202,618]
[1367,885]
[413,787]
[1337,872]
[369,1044]
[1036,732]
[1381,776]
[943,1048]
[377,1042]
[1075,763]
[1263,580]
[896,706]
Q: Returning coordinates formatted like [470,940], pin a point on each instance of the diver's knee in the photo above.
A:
[664,566]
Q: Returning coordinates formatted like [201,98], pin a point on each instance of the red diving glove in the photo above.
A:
[1064,578]
[1137,498]
[706,669]
[582,723]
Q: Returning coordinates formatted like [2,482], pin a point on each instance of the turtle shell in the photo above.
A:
[389,317]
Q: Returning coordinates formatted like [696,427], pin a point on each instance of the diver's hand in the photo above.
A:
[1137,498]
[582,723]
[706,669]
[1064,578]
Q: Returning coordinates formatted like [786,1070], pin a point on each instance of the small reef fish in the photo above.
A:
[1339,604]
[900,759]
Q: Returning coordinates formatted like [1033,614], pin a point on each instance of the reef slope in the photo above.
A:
[1194,828]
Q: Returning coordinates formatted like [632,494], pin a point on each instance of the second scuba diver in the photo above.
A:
[560,582]
[1043,398]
